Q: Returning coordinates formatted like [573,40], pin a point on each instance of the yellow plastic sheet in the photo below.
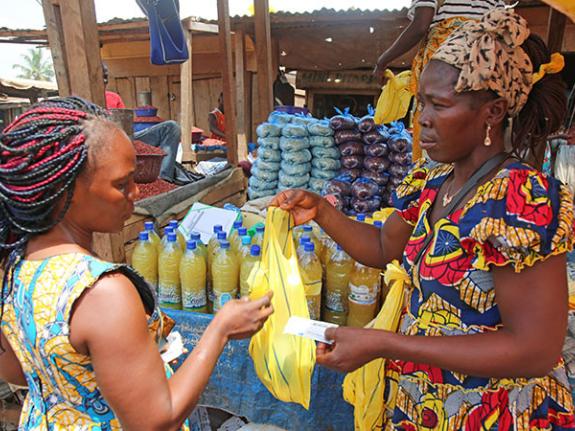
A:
[566,7]
[395,97]
[284,363]
[364,388]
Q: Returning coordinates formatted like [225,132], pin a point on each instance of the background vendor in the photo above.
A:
[165,135]
[217,120]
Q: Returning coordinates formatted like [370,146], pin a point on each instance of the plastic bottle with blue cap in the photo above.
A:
[311,275]
[169,286]
[225,275]
[145,259]
[249,263]
[175,225]
[193,279]
[153,235]
[336,291]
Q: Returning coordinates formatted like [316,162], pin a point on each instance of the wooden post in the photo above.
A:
[74,43]
[187,101]
[264,58]
[241,95]
[555,30]
[225,40]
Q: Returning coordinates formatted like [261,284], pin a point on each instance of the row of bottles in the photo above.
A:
[193,276]
[197,277]
[337,289]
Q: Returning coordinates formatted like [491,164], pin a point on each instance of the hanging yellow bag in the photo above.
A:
[284,363]
[395,97]
[364,388]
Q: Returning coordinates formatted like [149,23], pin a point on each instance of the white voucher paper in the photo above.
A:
[313,329]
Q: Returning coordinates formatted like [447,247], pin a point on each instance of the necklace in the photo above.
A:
[448,197]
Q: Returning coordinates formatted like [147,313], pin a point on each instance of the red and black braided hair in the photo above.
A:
[41,154]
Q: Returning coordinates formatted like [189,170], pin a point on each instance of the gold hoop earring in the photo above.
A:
[487,141]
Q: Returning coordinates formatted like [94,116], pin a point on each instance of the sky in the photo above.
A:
[28,14]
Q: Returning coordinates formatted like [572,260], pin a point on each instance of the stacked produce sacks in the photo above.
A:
[265,171]
[294,151]
[295,164]
[374,160]
[325,154]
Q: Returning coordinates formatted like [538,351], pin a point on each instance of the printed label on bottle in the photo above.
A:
[314,307]
[362,294]
[221,298]
[334,302]
[170,294]
[194,300]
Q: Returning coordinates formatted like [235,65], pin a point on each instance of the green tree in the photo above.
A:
[35,65]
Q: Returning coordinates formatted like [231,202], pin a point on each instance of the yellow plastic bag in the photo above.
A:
[364,388]
[566,7]
[395,97]
[284,363]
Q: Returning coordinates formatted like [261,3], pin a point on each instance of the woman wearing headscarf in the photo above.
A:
[82,333]
[482,237]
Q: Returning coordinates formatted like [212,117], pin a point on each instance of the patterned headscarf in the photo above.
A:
[489,54]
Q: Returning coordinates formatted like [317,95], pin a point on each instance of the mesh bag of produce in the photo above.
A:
[266,130]
[259,184]
[294,144]
[319,128]
[269,155]
[324,174]
[321,141]
[295,168]
[351,148]
[326,164]
[270,142]
[294,131]
[303,156]
[279,118]
[321,152]
[293,181]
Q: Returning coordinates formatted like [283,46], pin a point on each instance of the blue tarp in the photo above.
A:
[235,387]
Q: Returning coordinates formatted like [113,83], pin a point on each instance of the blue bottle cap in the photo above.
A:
[309,246]
[260,229]
[242,231]
[172,237]
[195,236]
[143,236]
[339,247]
[149,225]
[221,235]
[168,230]
[174,224]
[225,244]
[360,217]
[246,240]
[191,245]
[307,229]
[218,228]
[255,250]
[237,224]
[304,239]
[378,224]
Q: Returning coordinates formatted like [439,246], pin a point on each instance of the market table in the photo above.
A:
[235,387]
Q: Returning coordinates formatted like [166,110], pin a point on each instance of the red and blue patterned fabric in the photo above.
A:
[517,218]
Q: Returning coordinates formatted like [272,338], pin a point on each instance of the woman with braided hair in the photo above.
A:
[80,332]
[482,237]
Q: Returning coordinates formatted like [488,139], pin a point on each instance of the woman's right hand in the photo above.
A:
[242,318]
[303,205]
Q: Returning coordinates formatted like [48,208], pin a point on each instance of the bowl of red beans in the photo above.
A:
[148,162]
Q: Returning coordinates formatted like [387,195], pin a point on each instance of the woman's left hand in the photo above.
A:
[349,350]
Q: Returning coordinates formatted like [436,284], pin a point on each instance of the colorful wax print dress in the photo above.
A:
[63,394]
[518,218]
